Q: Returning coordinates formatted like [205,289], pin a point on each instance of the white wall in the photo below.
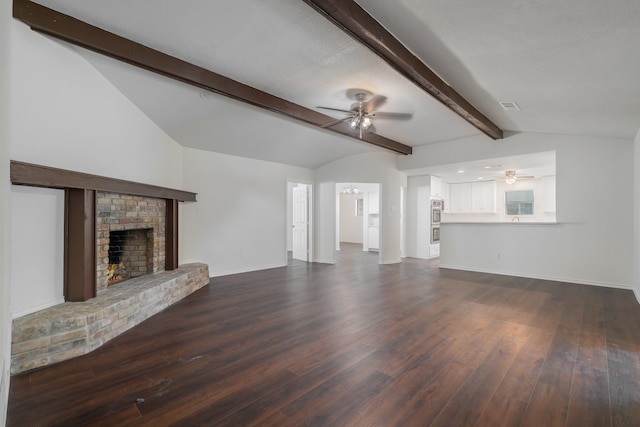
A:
[636,214]
[350,224]
[5,252]
[418,238]
[65,114]
[593,243]
[378,167]
[239,221]
[37,249]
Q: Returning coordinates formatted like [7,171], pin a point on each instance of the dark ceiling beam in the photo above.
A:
[80,33]
[355,21]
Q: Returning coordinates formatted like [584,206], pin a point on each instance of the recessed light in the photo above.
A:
[460,171]
[480,178]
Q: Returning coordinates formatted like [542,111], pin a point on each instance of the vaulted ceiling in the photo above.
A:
[571,67]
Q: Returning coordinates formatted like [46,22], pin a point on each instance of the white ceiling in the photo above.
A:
[571,66]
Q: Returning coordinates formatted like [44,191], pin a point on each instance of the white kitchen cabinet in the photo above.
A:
[446,196]
[374,203]
[472,197]
[460,197]
[436,187]
[374,238]
[483,197]
[372,222]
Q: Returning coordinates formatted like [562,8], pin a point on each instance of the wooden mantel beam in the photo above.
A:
[45,176]
[355,21]
[80,33]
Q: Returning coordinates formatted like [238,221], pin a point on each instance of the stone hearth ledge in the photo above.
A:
[72,329]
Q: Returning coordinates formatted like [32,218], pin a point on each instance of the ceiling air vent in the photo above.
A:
[510,106]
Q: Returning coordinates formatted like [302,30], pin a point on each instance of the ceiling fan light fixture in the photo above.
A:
[510,181]
[351,189]
[353,123]
[510,177]
[366,123]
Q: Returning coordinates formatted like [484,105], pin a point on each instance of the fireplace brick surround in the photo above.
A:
[117,212]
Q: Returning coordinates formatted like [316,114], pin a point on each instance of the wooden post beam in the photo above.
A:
[79,244]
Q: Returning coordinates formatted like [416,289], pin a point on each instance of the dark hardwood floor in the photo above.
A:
[358,344]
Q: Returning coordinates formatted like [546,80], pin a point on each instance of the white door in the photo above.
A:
[300,223]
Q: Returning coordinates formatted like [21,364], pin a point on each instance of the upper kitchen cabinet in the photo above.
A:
[460,195]
[483,197]
[473,197]
[374,203]
[436,187]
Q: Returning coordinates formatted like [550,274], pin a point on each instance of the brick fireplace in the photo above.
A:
[142,222]
[130,230]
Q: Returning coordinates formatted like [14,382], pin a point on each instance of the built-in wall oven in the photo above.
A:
[436,215]
[436,211]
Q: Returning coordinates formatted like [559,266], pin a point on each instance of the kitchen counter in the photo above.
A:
[500,222]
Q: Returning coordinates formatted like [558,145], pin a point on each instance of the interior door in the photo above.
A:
[300,233]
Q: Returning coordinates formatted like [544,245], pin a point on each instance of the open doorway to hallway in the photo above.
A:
[358,215]
[299,221]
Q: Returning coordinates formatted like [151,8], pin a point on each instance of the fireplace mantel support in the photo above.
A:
[171,239]
[79,244]
[80,213]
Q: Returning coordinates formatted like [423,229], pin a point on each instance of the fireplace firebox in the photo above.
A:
[128,256]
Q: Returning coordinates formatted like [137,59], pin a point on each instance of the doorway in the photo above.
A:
[299,221]
[358,215]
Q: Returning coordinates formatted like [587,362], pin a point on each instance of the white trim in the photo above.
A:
[322,261]
[4,388]
[30,310]
[539,277]
[246,270]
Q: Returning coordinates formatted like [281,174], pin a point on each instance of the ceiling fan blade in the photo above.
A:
[335,109]
[335,122]
[387,115]
[525,177]
[374,103]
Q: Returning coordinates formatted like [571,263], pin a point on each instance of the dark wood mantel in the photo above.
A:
[45,176]
[80,212]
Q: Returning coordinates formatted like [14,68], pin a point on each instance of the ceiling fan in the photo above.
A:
[510,177]
[361,112]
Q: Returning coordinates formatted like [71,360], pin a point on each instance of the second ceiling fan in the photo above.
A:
[361,113]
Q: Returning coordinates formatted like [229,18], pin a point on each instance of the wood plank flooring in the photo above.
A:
[358,344]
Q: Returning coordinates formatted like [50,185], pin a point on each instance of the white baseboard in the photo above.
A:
[29,310]
[541,277]
[323,261]
[245,270]
[4,389]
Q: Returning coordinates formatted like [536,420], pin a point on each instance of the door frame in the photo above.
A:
[290,183]
[366,187]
